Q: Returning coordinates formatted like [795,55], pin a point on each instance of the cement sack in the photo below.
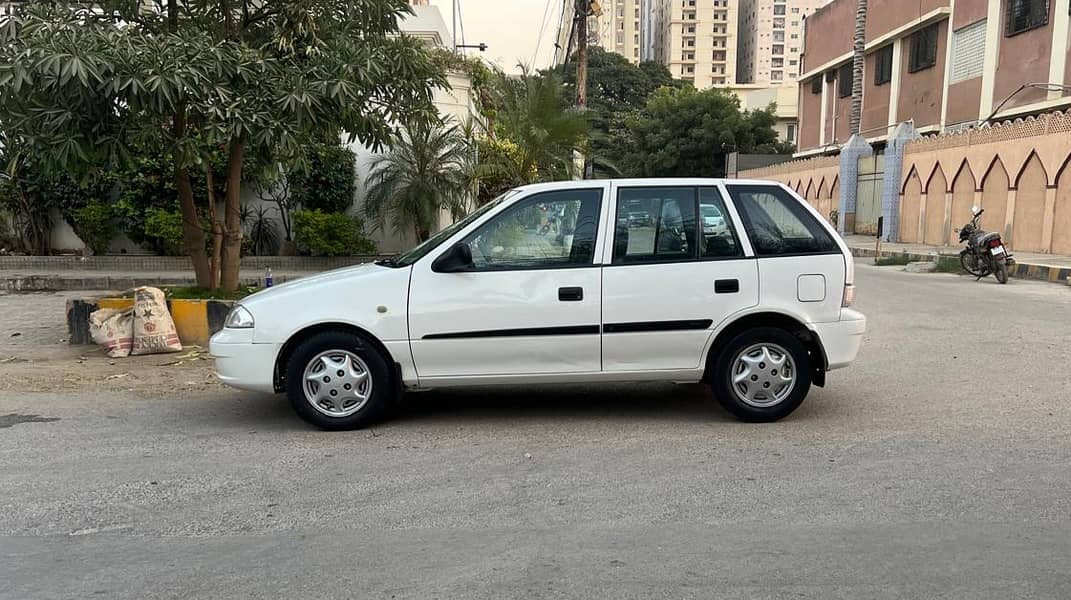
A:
[113,330]
[154,329]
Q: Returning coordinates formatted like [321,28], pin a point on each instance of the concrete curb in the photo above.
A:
[1039,272]
[65,283]
[195,320]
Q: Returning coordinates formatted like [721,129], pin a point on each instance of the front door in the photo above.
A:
[530,303]
[677,269]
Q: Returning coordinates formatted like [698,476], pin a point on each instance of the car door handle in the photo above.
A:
[571,294]
[726,286]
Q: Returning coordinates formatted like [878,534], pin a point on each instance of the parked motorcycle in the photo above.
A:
[985,252]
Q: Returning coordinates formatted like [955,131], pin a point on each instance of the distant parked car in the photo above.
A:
[739,284]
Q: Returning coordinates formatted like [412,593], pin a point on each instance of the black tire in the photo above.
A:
[970,264]
[722,386]
[1001,272]
[383,393]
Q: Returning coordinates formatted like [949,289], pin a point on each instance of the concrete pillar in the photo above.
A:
[890,185]
[856,147]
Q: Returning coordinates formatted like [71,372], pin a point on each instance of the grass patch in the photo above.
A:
[196,293]
[949,264]
[892,260]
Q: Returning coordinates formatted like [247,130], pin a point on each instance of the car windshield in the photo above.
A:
[709,211]
[407,258]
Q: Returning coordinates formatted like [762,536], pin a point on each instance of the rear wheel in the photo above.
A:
[337,380]
[1001,271]
[762,375]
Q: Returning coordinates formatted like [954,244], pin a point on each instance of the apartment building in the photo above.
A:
[942,64]
[771,40]
[697,40]
[619,28]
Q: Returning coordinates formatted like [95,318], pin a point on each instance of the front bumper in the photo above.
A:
[841,340]
[242,364]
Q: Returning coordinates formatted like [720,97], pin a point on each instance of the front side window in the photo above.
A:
[547,231]
[655,224]
[777,223]
[718,240]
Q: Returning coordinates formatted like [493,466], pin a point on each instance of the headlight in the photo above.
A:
[239,318]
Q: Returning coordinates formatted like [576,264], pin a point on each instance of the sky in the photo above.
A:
[510,28]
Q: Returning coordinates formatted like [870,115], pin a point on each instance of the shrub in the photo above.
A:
[166,226]
[94,223]
[330,234]
[328,183]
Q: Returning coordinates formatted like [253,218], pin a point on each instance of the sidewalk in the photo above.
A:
[1028,265]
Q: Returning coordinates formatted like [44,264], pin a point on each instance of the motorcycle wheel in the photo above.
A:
[1001,272]
[970,264]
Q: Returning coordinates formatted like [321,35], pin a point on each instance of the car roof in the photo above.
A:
[645,182]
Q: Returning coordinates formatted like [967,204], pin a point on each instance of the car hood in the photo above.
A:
[313,281]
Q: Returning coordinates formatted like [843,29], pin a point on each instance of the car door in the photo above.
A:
[669,278]
[530,301]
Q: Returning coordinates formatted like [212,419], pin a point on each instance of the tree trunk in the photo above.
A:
[217,227]
[193,237]
[858,61]
[231,254]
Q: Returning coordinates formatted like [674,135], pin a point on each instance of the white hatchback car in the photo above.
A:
[759,308]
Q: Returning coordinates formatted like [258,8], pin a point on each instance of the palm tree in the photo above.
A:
[530,114]
[426,172]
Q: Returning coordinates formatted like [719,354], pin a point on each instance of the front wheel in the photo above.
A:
[1001,271]
[337,380]
[762,375]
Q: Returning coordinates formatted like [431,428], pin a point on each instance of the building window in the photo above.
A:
[690,43]
[968,52]
[844,81]
[689,69]
[777,49]
[883,65]
[1024,15]
[923,49]
[777,62]
[779,36]
[816,85]
[775,76]
[779,9]
[795,10]
[790,133]
[779,23]
[691,29]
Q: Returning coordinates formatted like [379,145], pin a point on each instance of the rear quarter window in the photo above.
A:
[778,224]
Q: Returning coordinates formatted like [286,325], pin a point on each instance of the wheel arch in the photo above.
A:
[784,321]
[299,336]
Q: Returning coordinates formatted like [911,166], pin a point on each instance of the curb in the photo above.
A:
[61,283]
[195,320]
[1050,273]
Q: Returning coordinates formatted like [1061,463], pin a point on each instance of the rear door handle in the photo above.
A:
[726,286]
[571,294]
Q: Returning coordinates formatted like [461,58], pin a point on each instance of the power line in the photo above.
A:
[461,21]
[542,29]
[558,35]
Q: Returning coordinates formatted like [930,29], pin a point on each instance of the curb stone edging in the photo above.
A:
[195,320]
[1019,270]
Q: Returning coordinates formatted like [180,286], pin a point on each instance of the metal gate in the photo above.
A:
[868,194]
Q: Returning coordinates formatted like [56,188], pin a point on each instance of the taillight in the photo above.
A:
[994,243]
[849,296]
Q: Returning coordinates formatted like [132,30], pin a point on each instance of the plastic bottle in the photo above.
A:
[268,278]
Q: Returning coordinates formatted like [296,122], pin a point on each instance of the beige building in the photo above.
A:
[696,39]
[771,39]
[618,29]
[785,96]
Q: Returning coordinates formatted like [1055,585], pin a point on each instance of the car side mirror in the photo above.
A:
[455,260]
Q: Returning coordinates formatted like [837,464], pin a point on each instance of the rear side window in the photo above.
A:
[777,223]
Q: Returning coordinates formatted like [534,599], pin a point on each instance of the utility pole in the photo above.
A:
[582,9]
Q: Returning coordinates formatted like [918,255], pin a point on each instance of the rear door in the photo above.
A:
[671,276]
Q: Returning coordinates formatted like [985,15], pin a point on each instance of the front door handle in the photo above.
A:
[726,286]
[571,294]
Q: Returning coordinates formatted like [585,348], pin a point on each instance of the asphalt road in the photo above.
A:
[939,466]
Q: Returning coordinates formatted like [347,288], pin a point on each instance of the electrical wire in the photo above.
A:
[461,22]
[558,35]
[542,29]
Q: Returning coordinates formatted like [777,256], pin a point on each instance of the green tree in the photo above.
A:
[80,82]
[424,173]
[688,133]
[328,182]
[535,135]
